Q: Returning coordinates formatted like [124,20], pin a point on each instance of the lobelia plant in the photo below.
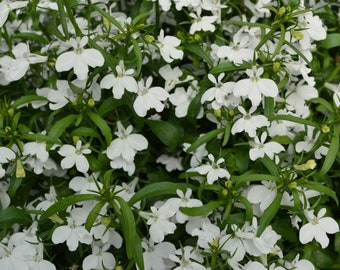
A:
[158,135]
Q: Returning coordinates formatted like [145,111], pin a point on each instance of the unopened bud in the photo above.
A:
[106,221]
[325,129]
[225,193]
[119,267]
[282,10]
[149,38]
[91,102]
[20,171]
[276,66]
[309,165]
[106,24]
[217,113]
[10,112]
[292,185]
[75,139]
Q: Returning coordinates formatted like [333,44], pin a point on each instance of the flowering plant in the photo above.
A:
[184,134]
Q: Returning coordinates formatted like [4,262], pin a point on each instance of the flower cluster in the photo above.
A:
[160,134]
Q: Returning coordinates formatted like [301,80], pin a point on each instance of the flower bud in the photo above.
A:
[91,102]
[20,171]
[106,221]
[292,185]
[309,165]
[149,38]
[325,129]
[10,112]
[276,66]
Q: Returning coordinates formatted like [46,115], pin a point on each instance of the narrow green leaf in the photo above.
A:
[226,133]
[31,36]
[269,214]
[108,17]
[324,103]
[198,50]
[166,132]
[155,189]
[331,41]
[269,105]
[102,125]
[138,54]
[229,67]
[270,165]
[244,178]
[250,24]
[62,15]
[12,215]
[59,127]
[201,210]
[92,216]
[40,137]
[14,184]
[205,138]
[332,152]
[248,206]
[132,241]
[280,43]
[294,119]
[321,188]
[85,132]
[68,201]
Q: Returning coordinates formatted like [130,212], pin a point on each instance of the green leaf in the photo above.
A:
[269,106]
[166,132]
[14,184]
[108,17]
[205,138]
[226,133]
[332,152]
[248,206]
[68,201]
[321,188]
[269,214]
[155,189]
[244,178]
[229,67]
[92,216]
[293,119]
[102,125]
[197,50]
[270,165]
[12,215]
[331,41]
[59,127]
[40,137]
[31,36]
[201,210]
[132,241]
[138,54]
[85,132]
[62,15]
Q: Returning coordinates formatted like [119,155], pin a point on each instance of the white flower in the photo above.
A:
[85,184]
[15,69]
[238,51]
[336,92]
[37,261]
[149,97]
[171,76]
[298,264]
[79,59]
[37,148]
[212,170]
[297,96]
[197,155]
[50,198]
[254,87]
[6,155]
[184,200]
[204,23]
[60,97]
[167,47]
[127,144]
[100,259]
[249,123]
[156,256]
[75,156]
[5,200]
[159,222]
[262,194]
[260,148]
[73,233]
[124,80]
[188,259]
[318,227]
[6,6]
[171,163]
[120,162]
[210,237]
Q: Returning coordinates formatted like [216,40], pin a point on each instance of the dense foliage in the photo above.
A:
[183,134]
